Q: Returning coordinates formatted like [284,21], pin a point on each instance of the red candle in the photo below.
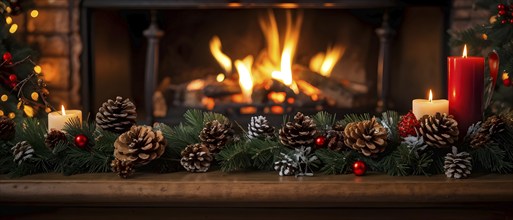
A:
[466,87]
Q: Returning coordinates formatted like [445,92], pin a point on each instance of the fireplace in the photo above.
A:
[245,58]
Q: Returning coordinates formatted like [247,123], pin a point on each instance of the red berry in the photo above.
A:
[504,21]
[359,168]
[501,6]
[506,82]
[320,142]
[408,125]
[511,21]
[502,12]
[12,77]
[13,84]
[7,57]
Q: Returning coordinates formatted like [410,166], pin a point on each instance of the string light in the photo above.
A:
[38,69]
[34,13]
[34,96]
[8,10]
[12,115]
[4,98]
[1,113]
[8,20]
[13,28]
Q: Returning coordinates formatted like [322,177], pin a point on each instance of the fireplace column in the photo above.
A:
[385,34]
[153,33]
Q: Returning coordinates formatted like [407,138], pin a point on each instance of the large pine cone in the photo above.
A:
[335,138]
[439,131]
[196,158]
[300,132]
[367,137]
[259,127]
[457,165]
[7,128]
[22,151]
[53,138]
[139,145]
[215,135]
[491,126]
[123,168]
[116,116]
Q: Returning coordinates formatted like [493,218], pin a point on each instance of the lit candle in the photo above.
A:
[429,106]
[466,87]
[57,119]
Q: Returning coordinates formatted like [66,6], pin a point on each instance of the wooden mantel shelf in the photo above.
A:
[253,188]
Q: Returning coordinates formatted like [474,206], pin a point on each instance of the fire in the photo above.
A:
[323,63]
[222,59]
[245,80]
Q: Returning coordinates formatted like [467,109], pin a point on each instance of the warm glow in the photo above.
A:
[222,59]
[430,96]
[63,110]
[323,63]
[277,97]
[309,90]
[505,76]
[8,20]
[220,77]
[38,69]
[195,85]
[245,81]
[465,51]
[13,28]
[34,13]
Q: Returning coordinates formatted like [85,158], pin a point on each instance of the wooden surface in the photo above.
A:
[255,189]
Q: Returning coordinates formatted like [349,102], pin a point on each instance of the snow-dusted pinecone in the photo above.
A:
[53,138]
[440,130]
[457,165]
[196,158]
[259,127]
[492,125]
[286,166]
[7,128]
[215,135]
[123,168]
[116,116]
[298,133]
[22,151]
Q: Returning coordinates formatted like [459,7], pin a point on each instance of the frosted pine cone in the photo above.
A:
[139,145]
[286,166]
[457,165]
[298,133]
[215,135]
[22,151]
[123,168]
[367,137]
[259,128]
[196,158]
[116,116]
[53,138]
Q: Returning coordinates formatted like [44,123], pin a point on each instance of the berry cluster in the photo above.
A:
[505,13]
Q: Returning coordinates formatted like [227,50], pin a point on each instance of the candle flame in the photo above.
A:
[465,51]
[430,96]
[63,110]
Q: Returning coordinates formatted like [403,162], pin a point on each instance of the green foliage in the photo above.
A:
[265,152]
[391,120]
[234,157]
[349,118]
[336,162]
[491,158]
[324,120]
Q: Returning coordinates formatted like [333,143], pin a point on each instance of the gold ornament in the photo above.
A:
[484,36]
[34,96]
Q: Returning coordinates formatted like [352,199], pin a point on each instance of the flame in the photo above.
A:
[222,59]
[323,63]
[465,51]
[245,80]
[220,77]
[63,110]
[430,96]
[277,97]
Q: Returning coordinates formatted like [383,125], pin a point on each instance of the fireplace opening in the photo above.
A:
[242,62]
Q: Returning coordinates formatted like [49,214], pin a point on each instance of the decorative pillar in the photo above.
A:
[385,34]
[153,33]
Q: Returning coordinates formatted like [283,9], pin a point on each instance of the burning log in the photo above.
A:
[221,89]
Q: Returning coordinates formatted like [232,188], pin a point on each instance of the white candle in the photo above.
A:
[57,119]
[429,106]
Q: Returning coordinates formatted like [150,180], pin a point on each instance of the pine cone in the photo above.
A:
[286,167]
[53,138]
[457,165]
[123,168]
[259,128]
[300,132]
[7,128]
[215,135]
[196,158]
[335,138]
[22,151]
[139,145]
[491,126]
[116,115]
[439,131]
[367,137]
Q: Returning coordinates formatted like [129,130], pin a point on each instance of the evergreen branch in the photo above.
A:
[234,157]
[391,120]
[211,116]
[324,120]
[396,162]
[181,136]
[491,158]
[265,152]
[350,118]
[194,118]
[336,162]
